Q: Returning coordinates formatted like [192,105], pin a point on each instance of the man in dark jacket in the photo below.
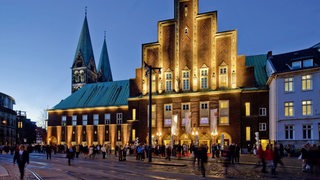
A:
[21,156]
[203,158]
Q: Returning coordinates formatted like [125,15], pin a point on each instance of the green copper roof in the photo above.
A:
[84,47]
[102,94]
[104,64]
[259,64]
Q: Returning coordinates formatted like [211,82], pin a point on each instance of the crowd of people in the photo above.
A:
[269,157]
[272,156]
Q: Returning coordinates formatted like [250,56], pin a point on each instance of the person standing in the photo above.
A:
[48,151]
[104,151]
[168,152]
[21,156]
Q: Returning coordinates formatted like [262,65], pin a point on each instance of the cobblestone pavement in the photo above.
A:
[13,172]
[215,169]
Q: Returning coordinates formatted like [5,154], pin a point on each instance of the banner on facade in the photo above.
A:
[214,121]
[174,125]
[188,122]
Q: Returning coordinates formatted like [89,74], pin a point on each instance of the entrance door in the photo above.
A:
[186,142]
[167,142]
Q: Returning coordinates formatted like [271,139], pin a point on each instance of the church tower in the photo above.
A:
[83,67]
[104,69]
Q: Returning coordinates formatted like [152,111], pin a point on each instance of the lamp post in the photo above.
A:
[149,71]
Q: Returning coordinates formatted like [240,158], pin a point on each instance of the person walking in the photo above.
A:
[269,157]
[77,150]
[203,158]
[70,154]
[21,156]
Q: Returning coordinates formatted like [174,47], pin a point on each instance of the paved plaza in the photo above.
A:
[215,168]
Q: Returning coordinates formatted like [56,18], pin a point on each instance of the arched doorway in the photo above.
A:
[185,139]
[224,138]
[52,140]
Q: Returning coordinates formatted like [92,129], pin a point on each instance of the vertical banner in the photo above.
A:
[174,124]
[188,122]
[222,141]
[214,121]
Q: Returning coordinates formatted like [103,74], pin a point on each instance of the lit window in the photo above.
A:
[306,82]
[248,133]
[153,115]
[95,119]
[107,118]
[289,130]
[134,114]
[119,118]
[288,109]
[306,108]
[133,134]
[247,105]
[19,124]
[288,85]
[224,112]
[84,120]
[185,11]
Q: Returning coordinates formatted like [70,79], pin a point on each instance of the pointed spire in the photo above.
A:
[104,68]
[84,47]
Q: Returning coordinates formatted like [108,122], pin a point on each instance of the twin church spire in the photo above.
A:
[84,70]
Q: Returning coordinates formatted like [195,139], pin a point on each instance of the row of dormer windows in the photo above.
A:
[107,119]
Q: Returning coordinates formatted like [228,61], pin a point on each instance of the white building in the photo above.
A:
[294,96]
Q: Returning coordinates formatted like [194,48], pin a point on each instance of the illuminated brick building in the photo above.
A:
[205,93]
[204,83]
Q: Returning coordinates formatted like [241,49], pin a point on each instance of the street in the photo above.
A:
[110,168]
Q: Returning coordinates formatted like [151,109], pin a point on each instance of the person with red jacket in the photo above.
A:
[269,156]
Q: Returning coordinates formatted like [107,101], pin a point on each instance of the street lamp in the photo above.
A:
[149,71]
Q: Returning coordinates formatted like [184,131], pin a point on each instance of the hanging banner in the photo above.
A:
[174,125]
[214,121]
[188,122]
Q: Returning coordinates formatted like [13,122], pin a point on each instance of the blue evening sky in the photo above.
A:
[38,38]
